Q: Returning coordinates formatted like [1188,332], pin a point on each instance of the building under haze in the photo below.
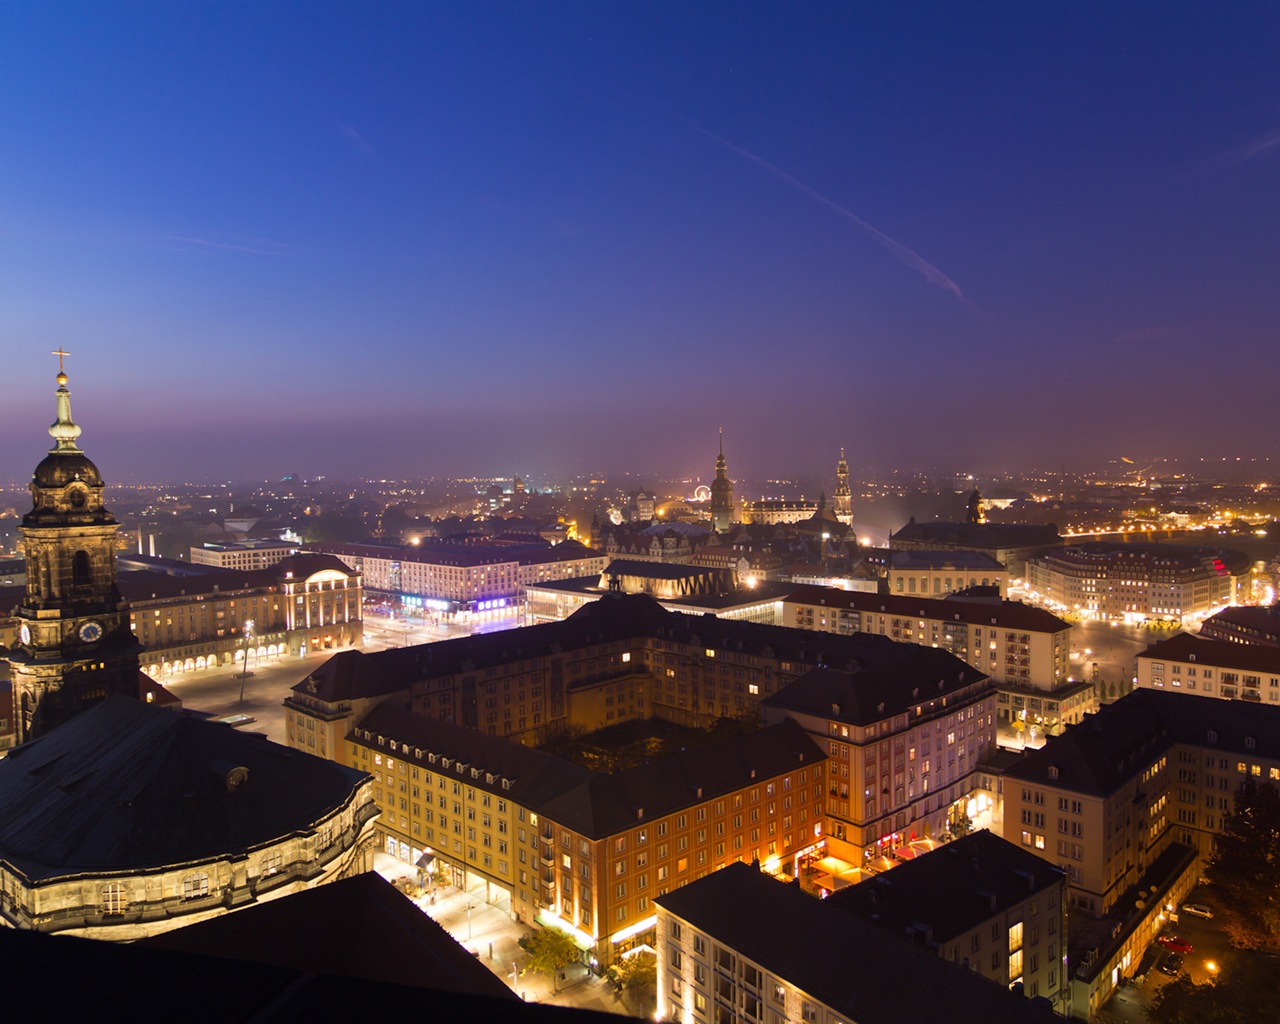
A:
[723,509]
[1136,582]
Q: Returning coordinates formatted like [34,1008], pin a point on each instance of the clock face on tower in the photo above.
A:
[90,632]
[24,634]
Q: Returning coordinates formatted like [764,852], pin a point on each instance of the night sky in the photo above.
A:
[549,239]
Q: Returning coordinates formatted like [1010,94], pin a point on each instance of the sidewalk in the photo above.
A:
[493,937]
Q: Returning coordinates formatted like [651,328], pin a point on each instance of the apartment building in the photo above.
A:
[904,743]
[246,555]
[1136,582]
[302,604]
[554,843]
[738,945]
[618,659]
[1128,802]
[980,901]
[477,581]
[1225,669]
[1024,650]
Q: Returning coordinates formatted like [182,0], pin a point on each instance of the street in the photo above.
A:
[1111,648]
[217,690]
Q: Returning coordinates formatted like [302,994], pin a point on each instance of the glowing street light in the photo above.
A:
[244,674]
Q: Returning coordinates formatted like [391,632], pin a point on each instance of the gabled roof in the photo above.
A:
[1216,653]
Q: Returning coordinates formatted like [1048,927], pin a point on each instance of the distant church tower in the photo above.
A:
[74,644]
[721,494]
[976,516]
[843,504]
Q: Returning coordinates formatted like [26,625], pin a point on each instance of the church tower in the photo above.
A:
[974,512]
[74,643]
[721,494]
[843,504]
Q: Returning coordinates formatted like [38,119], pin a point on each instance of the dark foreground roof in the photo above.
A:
[361,927]
[65,978]
[127,785]
[849,964]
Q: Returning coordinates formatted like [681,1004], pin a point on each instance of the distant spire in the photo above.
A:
[722,442]
[65,430]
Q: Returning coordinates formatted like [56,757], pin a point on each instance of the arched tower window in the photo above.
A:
[81,573]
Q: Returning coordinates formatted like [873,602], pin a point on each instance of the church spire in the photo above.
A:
[65,430]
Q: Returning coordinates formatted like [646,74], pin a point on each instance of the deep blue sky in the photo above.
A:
[544,238]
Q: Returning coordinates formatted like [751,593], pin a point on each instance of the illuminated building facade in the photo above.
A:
[1134,582]
[1212,668]
[938,573]
[903,743]
[243,555]
[474,581]
[1128,803]
[771,511]
[554,843]
[302,604]
[73,645]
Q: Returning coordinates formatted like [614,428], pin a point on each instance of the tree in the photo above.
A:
[549,950]
[1246,992]
[1244,867]
[635,971]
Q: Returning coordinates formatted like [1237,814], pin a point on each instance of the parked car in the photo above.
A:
[1176,943]
[1197,910]
[1170,965]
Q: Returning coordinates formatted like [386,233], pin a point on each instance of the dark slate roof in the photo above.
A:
[658,570]
[64,978]
[951,890]
[360,927]
[525,550]
[535,776]
[142,585]
[979,536]
[620,617]
[606,804]
[1003,614]
[839,959]
[1217,653]
[918,677]
[125,785]
[971,561]
[1102,553]
[1101,753]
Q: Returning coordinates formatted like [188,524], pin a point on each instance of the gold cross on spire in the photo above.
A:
[60,354]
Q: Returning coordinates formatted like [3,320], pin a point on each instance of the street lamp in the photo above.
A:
[469,906]
[244,674]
